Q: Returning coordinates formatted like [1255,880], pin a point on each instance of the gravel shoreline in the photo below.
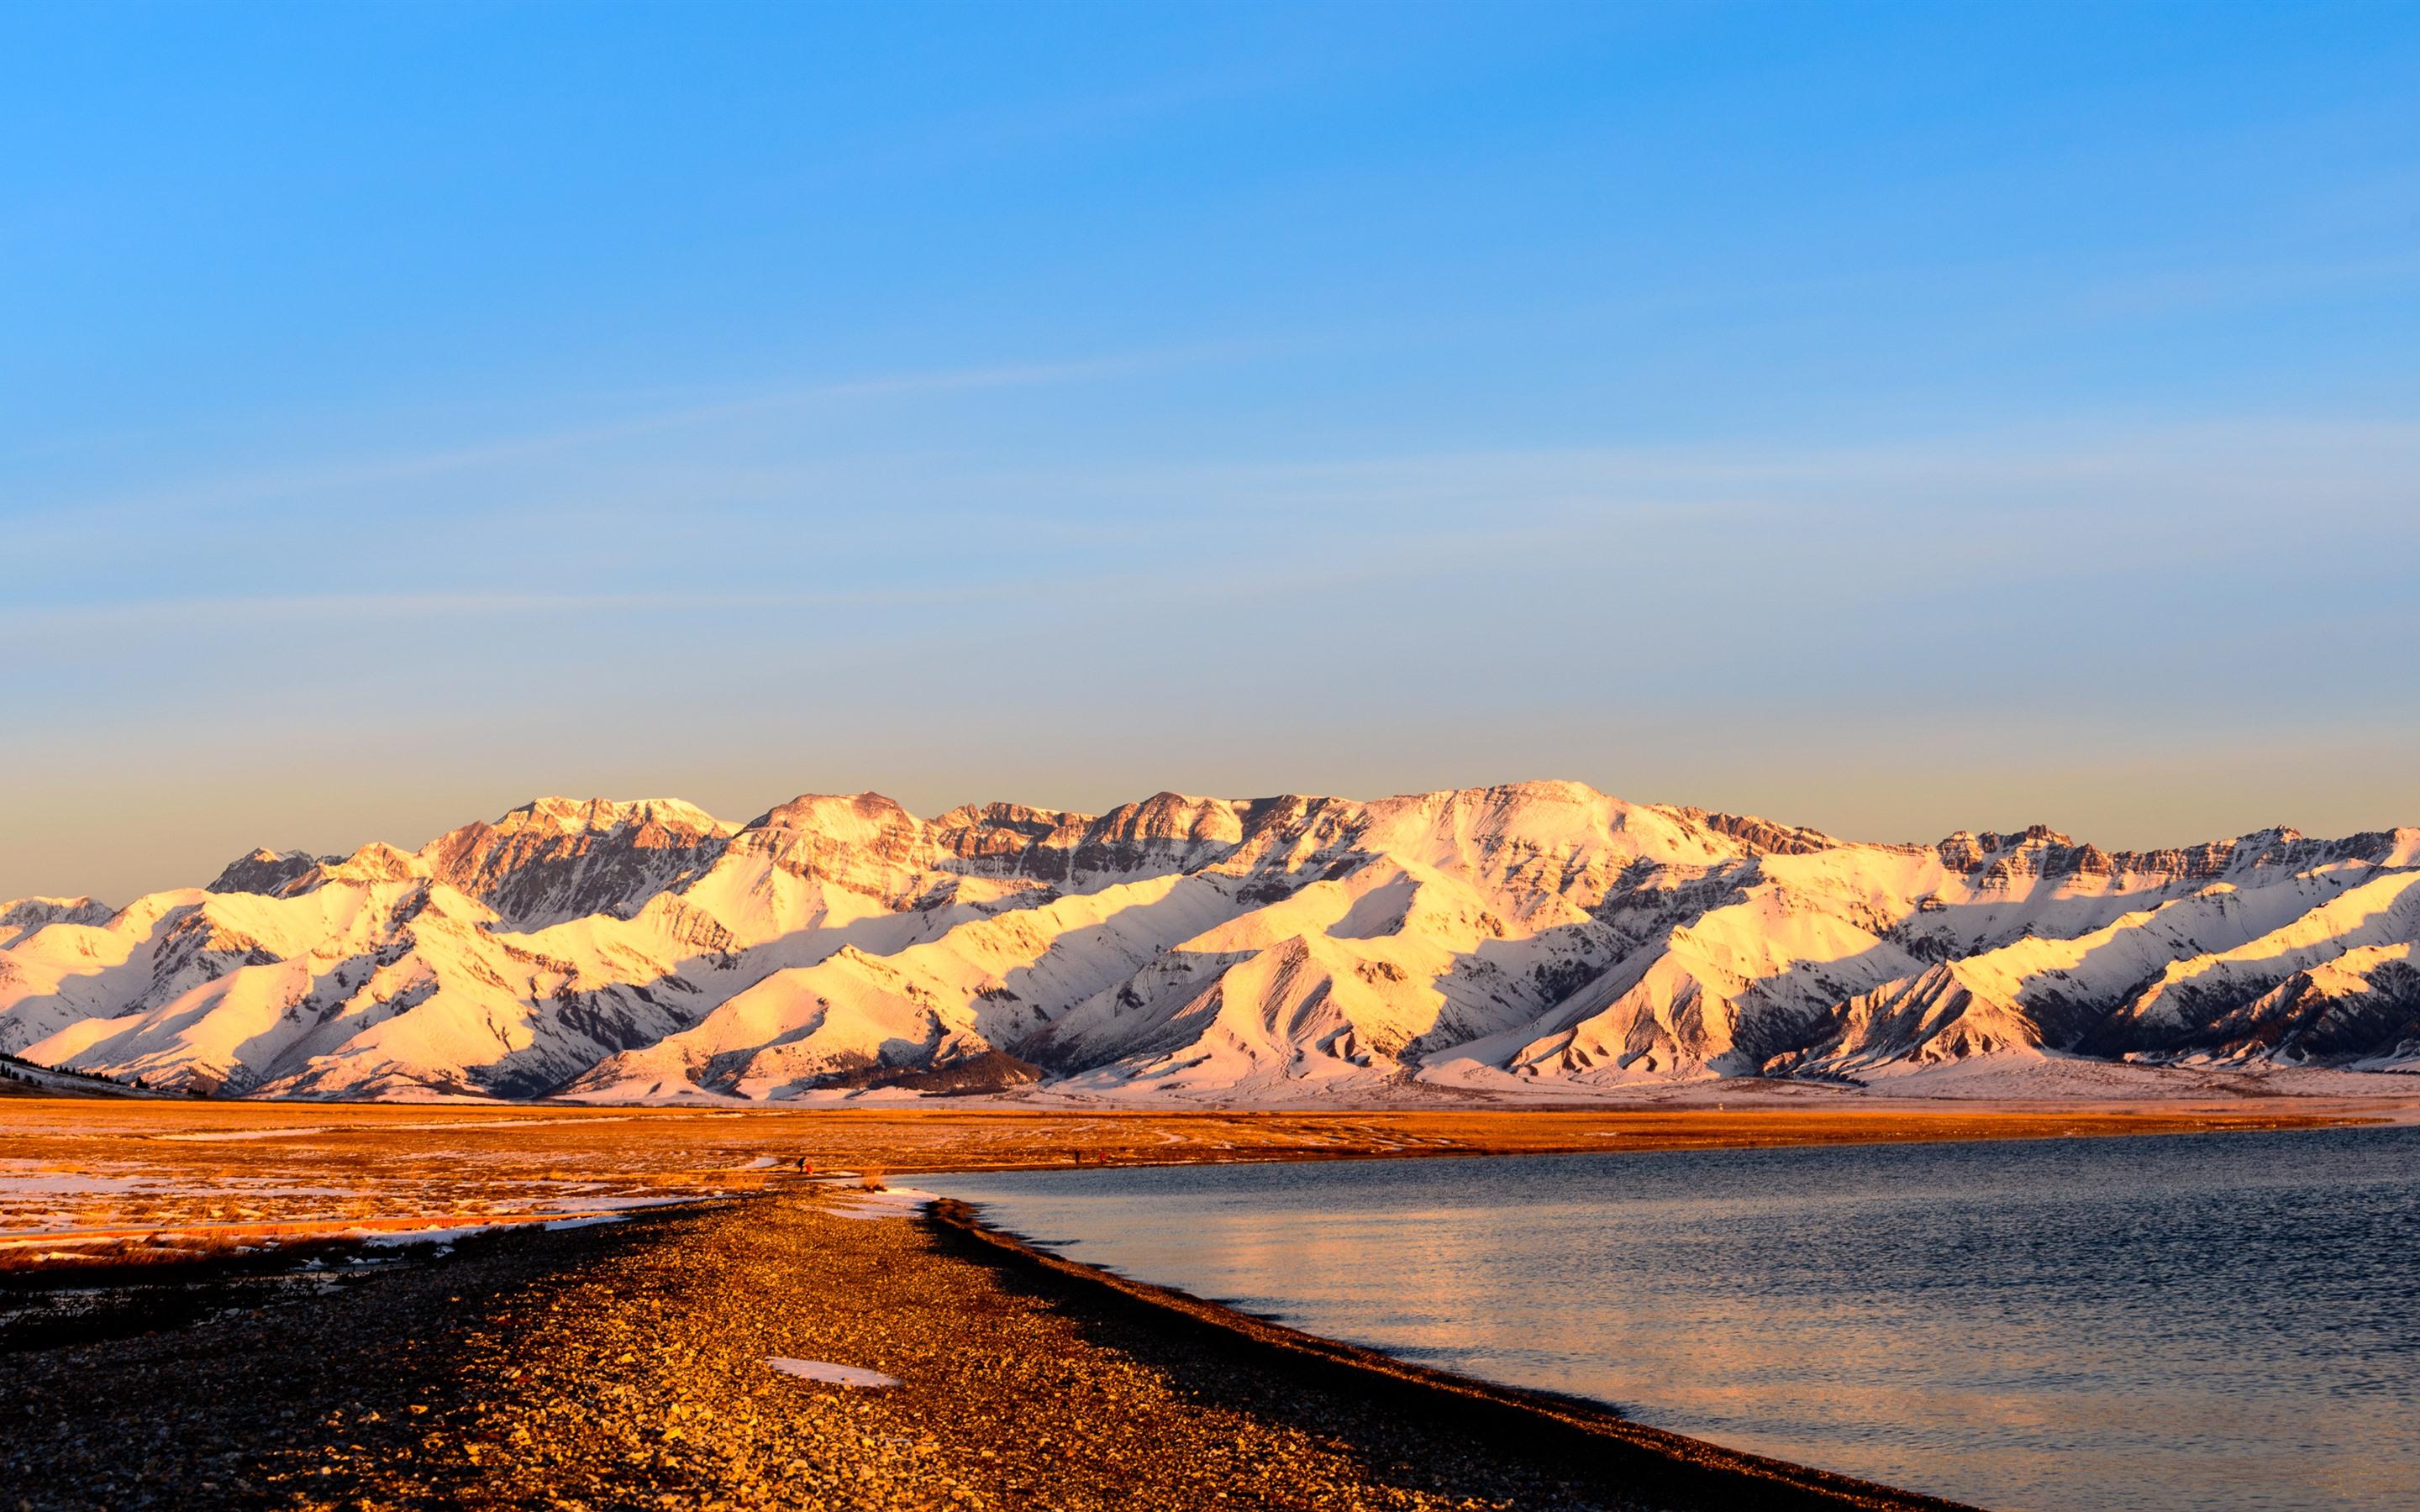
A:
[624,1365]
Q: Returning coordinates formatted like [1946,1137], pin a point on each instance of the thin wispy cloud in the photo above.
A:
[339,609]
[2245,459]
[339,477]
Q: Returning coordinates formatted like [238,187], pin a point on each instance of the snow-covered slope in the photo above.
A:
[1536,938]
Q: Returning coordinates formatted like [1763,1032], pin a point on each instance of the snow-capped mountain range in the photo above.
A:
[1536,939]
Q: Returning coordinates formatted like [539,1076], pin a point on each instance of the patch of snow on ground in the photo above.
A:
[397,1237]
[890,1202]
[589,1205]
[486,1125]
[835,1375]
[73,1184]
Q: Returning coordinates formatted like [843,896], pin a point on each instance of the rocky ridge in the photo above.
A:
[1538,938]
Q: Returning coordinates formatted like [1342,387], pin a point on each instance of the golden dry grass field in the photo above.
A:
[87,1169]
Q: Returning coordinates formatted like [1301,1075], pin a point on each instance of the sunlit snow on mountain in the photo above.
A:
[1536,940]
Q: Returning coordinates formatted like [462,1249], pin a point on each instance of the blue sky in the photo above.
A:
[1884,418]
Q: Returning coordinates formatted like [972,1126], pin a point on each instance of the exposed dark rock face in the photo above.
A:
[1762,836]
[554,859]
[270,872]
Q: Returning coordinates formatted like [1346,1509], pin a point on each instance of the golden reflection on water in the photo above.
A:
[2219,1323]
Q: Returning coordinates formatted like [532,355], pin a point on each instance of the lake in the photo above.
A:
[2206,1321]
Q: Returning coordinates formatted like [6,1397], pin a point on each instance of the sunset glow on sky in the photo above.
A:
[1885,418]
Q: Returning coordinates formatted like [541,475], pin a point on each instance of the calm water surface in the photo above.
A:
[2219,1322]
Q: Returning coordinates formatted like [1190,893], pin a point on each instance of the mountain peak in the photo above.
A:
[560,815]
[2036,835]
[268,871]
[837,813]
[1555,790]
[555,858]
[22,916]
[374,862]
